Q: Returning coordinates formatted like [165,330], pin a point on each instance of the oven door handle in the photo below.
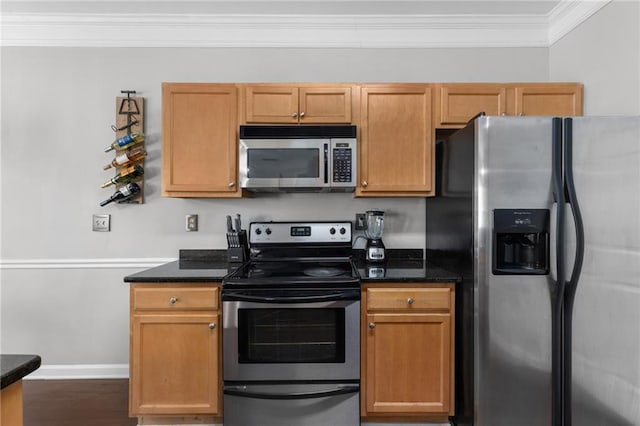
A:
[343,295]
[234,391]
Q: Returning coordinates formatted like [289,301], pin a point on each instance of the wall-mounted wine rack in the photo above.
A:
[129,121]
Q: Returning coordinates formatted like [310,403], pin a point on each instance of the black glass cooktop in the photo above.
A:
[300,271]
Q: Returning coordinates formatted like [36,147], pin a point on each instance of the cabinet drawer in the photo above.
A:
[175,298]
[409,298]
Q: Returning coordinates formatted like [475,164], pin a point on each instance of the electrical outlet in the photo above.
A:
[101,222]
[360,218]
[192,223]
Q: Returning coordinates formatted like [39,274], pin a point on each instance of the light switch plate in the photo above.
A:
[192,223]
[101,222]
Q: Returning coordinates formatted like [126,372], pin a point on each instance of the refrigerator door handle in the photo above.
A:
[557,300]
[572,200]
[572,283]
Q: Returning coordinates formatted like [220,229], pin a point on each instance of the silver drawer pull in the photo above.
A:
[212,325]
[372,325]
[173,300]
[410,301]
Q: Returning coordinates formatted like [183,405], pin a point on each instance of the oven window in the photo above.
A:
[291,335]
[283,163]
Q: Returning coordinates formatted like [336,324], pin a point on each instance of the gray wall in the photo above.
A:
[604,54]
[57,106]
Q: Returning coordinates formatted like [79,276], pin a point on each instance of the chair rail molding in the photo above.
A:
[117,263]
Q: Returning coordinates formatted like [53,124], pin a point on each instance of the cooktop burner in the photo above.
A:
[323,271]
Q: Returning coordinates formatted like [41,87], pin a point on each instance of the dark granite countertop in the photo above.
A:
[15,367]
[211,266]
[191,266]
[403,266]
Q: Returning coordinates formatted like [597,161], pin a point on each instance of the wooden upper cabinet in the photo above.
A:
[199,140]
[396,141]
[458,103]
[548,99]
[297,104]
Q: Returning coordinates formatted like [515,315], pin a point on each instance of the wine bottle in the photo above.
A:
[125,193]
[126,175]
[127,158]
[125,142]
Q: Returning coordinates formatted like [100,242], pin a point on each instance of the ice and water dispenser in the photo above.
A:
[520,242]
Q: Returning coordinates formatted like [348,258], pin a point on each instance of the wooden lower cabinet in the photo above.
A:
[407,351]
[175,341]
[11,410]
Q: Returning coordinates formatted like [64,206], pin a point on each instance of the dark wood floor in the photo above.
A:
[76,403]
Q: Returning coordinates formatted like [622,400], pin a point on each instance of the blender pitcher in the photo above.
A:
[373,231]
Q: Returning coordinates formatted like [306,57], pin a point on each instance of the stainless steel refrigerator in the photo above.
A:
[542,218]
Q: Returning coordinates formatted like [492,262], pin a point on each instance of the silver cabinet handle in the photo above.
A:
[173,300]
[232,184]
[522,114]
[301,114]
[212,325]
[372,325]
[294,115]
[364,183]
[410,301]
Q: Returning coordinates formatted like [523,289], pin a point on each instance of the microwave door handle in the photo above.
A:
[341,390]
[326,164]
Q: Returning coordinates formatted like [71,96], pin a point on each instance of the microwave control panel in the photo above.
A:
[343,162]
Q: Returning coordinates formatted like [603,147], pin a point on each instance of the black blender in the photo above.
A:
[374,248]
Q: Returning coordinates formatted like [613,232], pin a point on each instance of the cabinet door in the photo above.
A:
[396,152]
[269,104]
[174,364]
[408,368]
[199,138]
[549,99]
[458,103]
[325,105]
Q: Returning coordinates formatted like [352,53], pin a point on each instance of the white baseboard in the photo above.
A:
[80,371]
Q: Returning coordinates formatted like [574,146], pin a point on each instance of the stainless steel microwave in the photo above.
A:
[298,158]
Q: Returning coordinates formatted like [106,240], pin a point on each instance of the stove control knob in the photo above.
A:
[258,231]
[343,231]
[332,231]
[268,231]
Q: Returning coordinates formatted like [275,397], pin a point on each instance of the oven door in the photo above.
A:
[266,164]
[277,335]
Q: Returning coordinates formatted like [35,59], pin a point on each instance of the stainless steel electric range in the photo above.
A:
[291,340]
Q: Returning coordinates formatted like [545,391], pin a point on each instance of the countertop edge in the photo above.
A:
[20,370]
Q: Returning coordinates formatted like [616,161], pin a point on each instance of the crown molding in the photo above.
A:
[293,31]
[565,17]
